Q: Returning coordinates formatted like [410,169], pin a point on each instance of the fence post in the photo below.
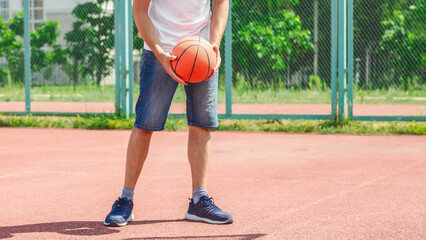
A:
[342,58]
[129,82]
[125,49]
[117,61]
[123,41]
[228,61]
[334,59]
[27,55]
[350,70]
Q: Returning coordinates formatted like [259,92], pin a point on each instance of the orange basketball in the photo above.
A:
[195,60]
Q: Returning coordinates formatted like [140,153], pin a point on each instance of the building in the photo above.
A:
[41,10]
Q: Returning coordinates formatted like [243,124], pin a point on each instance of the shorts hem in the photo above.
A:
[202,126]
[148,129]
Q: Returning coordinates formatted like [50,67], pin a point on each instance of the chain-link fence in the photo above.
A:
[72,56]
[390,57]
[281,57]
[11,53]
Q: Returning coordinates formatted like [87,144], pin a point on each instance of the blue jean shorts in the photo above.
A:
[157,89]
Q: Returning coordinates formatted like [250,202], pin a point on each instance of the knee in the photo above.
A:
[200,130]
[142,133]
[199,133]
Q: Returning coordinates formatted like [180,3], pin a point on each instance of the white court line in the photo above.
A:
[47,172]
[329,197]
[48,149]
[410,98]
[16,174]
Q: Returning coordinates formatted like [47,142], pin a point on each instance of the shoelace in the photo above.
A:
[122,204]
[210,203]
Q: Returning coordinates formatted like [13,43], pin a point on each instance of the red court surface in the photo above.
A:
[323,109]
[60,184]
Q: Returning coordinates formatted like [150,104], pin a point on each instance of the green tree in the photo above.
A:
[11,49]
[368,18]
[269,36]
[44,46]
[91,40]
[401,44]
[45,37]
[306,11]
[416,19]
[78,49]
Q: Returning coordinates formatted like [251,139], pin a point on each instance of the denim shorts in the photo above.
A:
[157,89]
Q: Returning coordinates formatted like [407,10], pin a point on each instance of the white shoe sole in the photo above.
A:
[199,219]
[120,224]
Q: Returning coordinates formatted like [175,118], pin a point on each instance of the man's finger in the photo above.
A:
[219,61]
[180,81]
[177,78]
[170,71]
[218,58]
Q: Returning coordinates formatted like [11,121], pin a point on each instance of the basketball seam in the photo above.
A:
[181,56]
[208,59]
[195,60]
[184,42]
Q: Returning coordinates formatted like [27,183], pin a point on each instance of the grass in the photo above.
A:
[240,94]
[289,126]
[391,96]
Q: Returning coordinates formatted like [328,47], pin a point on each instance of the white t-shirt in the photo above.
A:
[176,19]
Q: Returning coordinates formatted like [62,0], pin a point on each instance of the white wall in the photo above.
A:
[62,11]
[16,5]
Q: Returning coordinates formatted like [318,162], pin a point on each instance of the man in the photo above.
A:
[162,23]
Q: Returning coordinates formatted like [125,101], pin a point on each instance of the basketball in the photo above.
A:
[195,59]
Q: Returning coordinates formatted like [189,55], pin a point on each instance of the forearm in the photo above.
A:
[218,22]
[149,35]
[145,26]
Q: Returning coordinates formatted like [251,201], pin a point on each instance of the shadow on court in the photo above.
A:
[92,228]
[77,228]
[233,237]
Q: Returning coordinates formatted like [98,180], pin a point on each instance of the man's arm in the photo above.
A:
[149,35]
[218,24]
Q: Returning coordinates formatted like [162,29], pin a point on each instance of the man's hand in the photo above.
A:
[218,58]
[165,60]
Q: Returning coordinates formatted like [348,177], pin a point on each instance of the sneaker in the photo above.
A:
[206,211]
[120,214]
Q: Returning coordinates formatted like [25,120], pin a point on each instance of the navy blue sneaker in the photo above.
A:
[120,214]
[206,211]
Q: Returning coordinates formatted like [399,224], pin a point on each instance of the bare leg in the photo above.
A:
[137,151]
[198,155]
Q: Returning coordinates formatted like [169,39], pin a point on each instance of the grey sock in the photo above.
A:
[127,193]
[198,193]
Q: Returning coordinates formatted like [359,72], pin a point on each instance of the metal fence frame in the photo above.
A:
[342,38]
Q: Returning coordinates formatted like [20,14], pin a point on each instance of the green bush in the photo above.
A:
[5,77]
[316,83]
[418,129]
